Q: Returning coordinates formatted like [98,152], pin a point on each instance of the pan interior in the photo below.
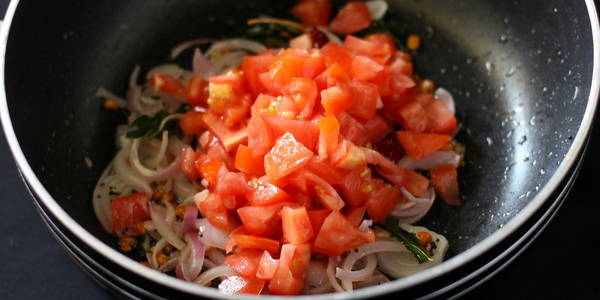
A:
[520,73]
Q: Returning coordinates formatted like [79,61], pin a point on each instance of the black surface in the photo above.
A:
[553,268]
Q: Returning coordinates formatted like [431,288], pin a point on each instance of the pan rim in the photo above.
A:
[447,266]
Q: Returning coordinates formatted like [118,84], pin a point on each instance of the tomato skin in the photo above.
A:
[355,215]
[327,195]
[355,187]
[208,169]
[304,132]
[245,161]
[383,39]
[265,193]
[445,182]
[263,220]
[129,210]
[338,235]
[317,217]
[441,119]
[246,241]
[215,211]
[196,92]
[336,99]
[365,68]
[414,117]
[351,18]
[287,156]
[260,136]
[253,66]
[244,261]
[364,95]
[367,48]
[329,132]
[321,168]
[352,130]
[382,202]
[336,54]
[191,123]
[231,183]
[291,271]
[241,285]
[266,266]
[167,84]
[229,137]
[419,145]
[377,128]
[416,183]
[313,12]
[297,228]
[188,158]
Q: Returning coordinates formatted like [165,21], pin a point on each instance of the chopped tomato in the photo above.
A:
[245,241]
[336,99]
[364,97]
[245,161]
[287,156]
[356,186]
[336,54]
[414,117]
[383,39]
[419,145]
[441,119]
[317,217]
[327,195]
[262,220]
[241,285]
[231,183]
[304,132]
[191,123]
[351,18]
[382,202]
[329,173]
[260,136]
[349,156]
[244,261]
[228,137]
[329,132]
[188,157]
[367,48]
[266,266]
[197,92]
[333,76]
[209,169]
[129,210]
[291,271]
[445,182]
[297,228]
[253,66]
[355,215]
[416,183]
[365,68]
[313,12]
[304,93]
[339,235]
[212,208]
[352,130]
[167,84]
[387,168]
[377,128]
[265,193]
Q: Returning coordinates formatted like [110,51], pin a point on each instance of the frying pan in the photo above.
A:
[524,75]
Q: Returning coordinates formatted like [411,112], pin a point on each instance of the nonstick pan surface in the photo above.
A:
[523,73]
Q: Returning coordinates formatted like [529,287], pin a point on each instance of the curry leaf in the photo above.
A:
[145,126]
[410,240]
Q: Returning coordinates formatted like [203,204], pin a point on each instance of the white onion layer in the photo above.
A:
[446,97]
[377,8]
[208,276]
[430,162]
[164,229]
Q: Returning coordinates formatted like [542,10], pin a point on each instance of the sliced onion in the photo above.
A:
[121,139]
[170,265]
[331,275]
[158,218]
[228,61]
[158,247]
[104,93]
[377,8]
[134,93]
[208,276]
[177,50]
[430,162]
[164,143]
[192,258]
[172,70]
[377,278]
[201,66]
[365,225]
[127,175]
[183,188]
[348,276]
[446,97]
[189,218]
[330,35]
[414,208]
[216,255]
[101,197]
[236,44]
[401,264]
[152,175]
[211,236]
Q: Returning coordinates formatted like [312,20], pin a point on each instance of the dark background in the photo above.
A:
[560,264]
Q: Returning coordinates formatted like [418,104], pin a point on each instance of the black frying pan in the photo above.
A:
[523,74]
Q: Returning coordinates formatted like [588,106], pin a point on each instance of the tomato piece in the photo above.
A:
[383,81]
[262,220]
[441,119]
[208,169]
[265,193]
[419,145]
[212,208]
[291,270]
[329,133]
[241,285]
[383,39]
[377,128]
[352,130]
[333,76]
[336,99]
[231,183]
[196,92]
[356,186]
[313,12]
[445,182]
[169,85]
[401,64]
[287,156]
[304,132]
[348,156]
[321,168]
[416,183]
[351,18]
[382,202]
[129,210]
[336,54]
[245,161]
[253,66]
[317,217]
[244,261]
[387,168]
[365,68]
[260,136]
[188,157]
[266,266]
[304,93]
[355,215]
[414,117]
[297,228]
[191,123]
[364,97]
[370,49]
[339,235]
[229,137]
[233,78]
[327,195]
[246,241]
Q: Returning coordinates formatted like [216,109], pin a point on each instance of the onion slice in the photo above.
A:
[189,218]
[430,162]
[414,208]
[446,97]
[177,50]
[377,8]
[331,275]
[192,258]
[127,175]
[330,35]
[236,44]
[207,277]
[348,276]
[164,229]
[201,66]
